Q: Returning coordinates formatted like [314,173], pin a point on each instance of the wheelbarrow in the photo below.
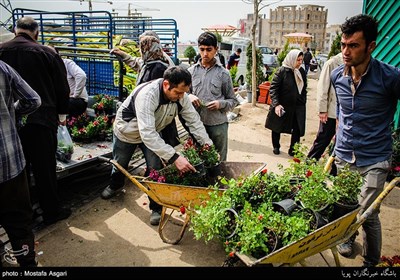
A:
[324,238]
[173,197]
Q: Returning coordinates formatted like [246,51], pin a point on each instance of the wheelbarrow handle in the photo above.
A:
[104,159]
[111,161]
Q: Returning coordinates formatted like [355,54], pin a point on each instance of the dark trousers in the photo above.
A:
[326,131]
[77,106]
[122,153]
[40,144]
[16,218]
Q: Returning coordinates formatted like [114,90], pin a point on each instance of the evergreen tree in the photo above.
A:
[190,53]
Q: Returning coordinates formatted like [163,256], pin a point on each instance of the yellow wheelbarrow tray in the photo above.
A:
[326,237]
[173,197]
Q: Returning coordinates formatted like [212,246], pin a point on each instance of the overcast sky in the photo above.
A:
[191,16]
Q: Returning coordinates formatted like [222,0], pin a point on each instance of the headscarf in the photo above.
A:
[151,49]
[290,62]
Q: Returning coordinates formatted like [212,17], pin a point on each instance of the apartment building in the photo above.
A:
[309,19]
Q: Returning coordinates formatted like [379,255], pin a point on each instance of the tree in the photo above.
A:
[259,77]
[190,53]
[258,6]
[335,47]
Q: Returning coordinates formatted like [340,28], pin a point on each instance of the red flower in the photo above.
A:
[232,254]
[183,209]
[296,160]
[309,173]
[264,171]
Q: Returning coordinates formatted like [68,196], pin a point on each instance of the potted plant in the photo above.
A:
[257,235]
[104,104]
[346,188]
[210,220]
[211,159]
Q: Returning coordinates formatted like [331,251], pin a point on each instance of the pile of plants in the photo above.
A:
[389,261]
[254,199]
[202,157]
[86,129]
[104,104]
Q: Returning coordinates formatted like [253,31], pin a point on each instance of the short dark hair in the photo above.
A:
[27,23]
[207,39]
[239,50]
[365,23]
[176,75]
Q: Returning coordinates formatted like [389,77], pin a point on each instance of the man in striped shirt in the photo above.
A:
[17,98]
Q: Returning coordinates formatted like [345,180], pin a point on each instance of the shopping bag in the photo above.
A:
[65,146]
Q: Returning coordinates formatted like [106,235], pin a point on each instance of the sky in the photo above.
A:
[191,16]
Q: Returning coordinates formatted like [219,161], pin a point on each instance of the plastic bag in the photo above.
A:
[65,146]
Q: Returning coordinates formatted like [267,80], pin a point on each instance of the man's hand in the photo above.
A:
[195,100]
[323,117]
[213,105]
[183,165]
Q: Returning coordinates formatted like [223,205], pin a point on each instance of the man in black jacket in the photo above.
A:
[307,60]
[43,69]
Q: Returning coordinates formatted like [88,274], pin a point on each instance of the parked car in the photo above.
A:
[270,63]
[313,65]
[321,59]
[270,60]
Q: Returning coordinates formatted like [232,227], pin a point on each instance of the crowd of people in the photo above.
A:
[353,86]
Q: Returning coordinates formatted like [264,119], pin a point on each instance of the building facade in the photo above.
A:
[309,19]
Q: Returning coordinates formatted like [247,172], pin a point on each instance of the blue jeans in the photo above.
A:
[374,178]
[122,153]
[306,67]
[219,136]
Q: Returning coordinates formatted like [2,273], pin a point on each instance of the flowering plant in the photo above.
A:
[209,154]
[92,129]
[103,103]
[190,152]
[389,261]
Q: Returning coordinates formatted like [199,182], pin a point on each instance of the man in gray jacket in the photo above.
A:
[212,92]
[141,118]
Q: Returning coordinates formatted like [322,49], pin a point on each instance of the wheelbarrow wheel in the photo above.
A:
[167,219]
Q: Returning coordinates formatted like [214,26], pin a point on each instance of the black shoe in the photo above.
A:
[368,264]
[109,193]
[346,248]
[62,215]
[276,151]
[291,153]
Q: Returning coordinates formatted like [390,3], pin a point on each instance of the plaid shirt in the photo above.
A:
[17,98]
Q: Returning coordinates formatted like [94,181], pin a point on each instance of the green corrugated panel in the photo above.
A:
[388,42]
[388,15]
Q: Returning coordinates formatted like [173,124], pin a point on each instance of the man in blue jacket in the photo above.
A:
[367,92]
